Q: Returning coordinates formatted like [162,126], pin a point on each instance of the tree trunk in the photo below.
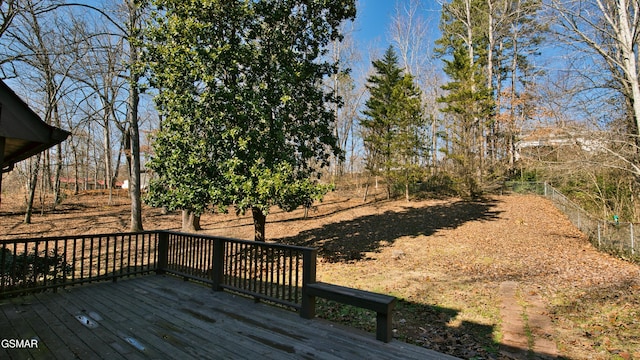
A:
[134,99]
[625,35]
[134,179]
[2,143]
[190,221]
[116,169]
[32,190]
[57,192]
[259,221]
[107,156]
[406,191]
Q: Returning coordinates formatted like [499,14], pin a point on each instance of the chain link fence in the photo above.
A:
[618,238]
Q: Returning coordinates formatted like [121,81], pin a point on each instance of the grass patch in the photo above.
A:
[609,317]
[346,314]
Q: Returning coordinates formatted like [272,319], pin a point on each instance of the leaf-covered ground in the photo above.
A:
[445,260]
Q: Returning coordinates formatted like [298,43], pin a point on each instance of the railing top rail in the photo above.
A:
[152,232]
[238,241]
[71,237]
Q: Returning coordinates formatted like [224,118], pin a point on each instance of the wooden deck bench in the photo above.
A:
[382,304]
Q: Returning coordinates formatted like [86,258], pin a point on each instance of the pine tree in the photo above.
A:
[391,123]
[469,102]
[496,37]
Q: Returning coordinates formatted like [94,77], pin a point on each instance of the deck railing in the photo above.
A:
[28,265]
[267,271]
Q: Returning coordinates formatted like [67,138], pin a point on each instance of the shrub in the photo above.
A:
[31,269]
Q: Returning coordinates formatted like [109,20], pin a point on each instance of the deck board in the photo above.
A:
[53,331]
[168,317]
[80,341]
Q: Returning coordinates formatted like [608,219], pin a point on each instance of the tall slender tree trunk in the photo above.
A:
[134,178]
[2,144]
[57,191]
[336,109]
[32,189]
[406,190]
[87,161]
[76,171]
[629,57]
[132,113]
[57,197]
[116,168]
[107,157]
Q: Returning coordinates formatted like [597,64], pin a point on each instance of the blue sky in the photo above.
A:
[373,17]
[373,20]
[372,27]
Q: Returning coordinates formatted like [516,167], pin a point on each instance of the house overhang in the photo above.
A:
[22,132]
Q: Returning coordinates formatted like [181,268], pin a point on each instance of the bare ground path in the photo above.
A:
[526,326]
[446,259]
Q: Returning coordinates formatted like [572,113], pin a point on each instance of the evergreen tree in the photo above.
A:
[468,101]
[495,39]
[391,124]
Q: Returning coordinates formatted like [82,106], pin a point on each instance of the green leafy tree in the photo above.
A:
[391,123]
[187,58]
[246,121]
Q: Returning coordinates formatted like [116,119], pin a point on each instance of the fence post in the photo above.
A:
[162,252]
[633,251]
[308,308]
[579,222]
[217,272]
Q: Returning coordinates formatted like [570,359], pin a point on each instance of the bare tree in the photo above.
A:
[55,48]
[8,10]
[44,47]
[346,54]
[99,68]
[125,25]
[133,31]
[609,30]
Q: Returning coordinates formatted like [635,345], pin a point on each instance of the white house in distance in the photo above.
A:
[144,181]
[547,141]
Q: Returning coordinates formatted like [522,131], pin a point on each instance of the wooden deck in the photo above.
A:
[160,317]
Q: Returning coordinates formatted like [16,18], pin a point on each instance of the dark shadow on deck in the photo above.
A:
[349,240]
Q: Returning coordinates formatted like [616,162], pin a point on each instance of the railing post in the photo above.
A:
[162,252]
[308,308]
[217,272]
